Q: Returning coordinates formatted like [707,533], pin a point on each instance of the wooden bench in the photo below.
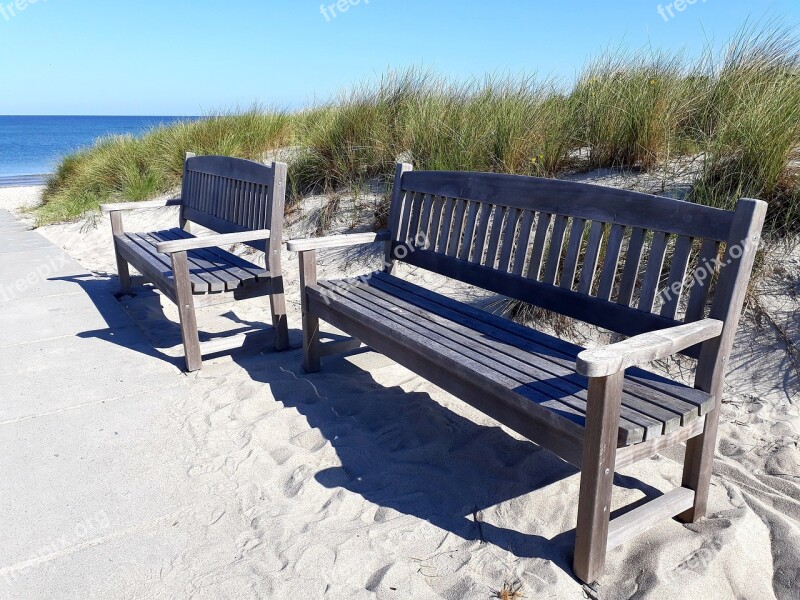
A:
[243,202]
[541,241]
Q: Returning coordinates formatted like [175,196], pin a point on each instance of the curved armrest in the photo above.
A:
[337,241]
[211,241]
[127,206]
[644,348]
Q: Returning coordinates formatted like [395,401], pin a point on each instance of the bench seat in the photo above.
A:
[530,371]
[211,270]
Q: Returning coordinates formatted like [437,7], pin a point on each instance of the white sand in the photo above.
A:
[364,481]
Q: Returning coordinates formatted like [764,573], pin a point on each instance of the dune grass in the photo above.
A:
[737,112]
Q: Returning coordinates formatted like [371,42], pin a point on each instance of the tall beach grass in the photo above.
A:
[736,113]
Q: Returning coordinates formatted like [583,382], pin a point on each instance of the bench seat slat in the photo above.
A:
[211,270]
[537,369]
[491,324]
[536,372]
[669,411]
[228,267]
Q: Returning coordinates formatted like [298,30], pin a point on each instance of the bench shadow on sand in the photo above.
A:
[398,450]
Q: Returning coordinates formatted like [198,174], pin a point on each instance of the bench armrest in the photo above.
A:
[128,206]
[337,241]
[645,348]
[211,241]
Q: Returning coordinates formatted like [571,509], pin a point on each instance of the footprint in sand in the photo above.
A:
[311,440]
[296,482]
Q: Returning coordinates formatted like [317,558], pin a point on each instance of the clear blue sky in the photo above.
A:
[187,57]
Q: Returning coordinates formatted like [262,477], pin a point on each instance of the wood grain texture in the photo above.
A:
[188,320]
[145,205]
[646,347]
[645,517]
[740,255]
[337,241]
[210,241]
[597,477]
[578,200]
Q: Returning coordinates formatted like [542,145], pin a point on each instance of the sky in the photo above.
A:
[194,57]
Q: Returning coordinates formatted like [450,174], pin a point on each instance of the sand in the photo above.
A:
[366,481]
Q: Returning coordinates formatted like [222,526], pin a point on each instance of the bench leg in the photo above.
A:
[597,476]
[277,304]
[191,340]
[308,277]
[122,265]
[697,467]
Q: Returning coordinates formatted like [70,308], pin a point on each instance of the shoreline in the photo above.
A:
[11,181]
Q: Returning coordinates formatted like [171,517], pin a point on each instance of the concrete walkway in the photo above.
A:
[82,397]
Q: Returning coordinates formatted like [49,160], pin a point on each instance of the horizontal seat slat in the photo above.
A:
[663,413]
[556,348]
[211,270]
[536,372]
[530,375]
[235,271]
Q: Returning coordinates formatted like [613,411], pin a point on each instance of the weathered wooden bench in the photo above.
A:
[540,241]
[243,202]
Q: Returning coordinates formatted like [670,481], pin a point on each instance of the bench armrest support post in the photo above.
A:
[308,278]
[645,348]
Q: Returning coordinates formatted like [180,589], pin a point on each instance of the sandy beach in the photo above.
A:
[256,480]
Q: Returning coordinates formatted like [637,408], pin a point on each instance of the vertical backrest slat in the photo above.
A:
[521,253]
[416,215]
[591,258]
[677,276]
[573,253]
[481,229]
[698,292]
[469,231]
[446,225]
[509,239]
[437,208]
[397,207]
[539,243]
[556,248]
[405,217]
[457,228]
[609,273]
[652,276]
[633,260]
[425,222]
[498,216]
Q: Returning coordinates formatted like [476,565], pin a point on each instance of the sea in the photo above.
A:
[31,147]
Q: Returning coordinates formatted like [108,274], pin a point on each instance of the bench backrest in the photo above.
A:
[229,195]
[540,241]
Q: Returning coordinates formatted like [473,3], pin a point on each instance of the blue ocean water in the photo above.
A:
[35,145]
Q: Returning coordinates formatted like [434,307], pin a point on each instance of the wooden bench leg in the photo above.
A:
[697,467]
[122,265]
[279,322]
[308,277]
[183,288]
[597,476]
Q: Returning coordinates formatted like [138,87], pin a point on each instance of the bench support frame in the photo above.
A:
[593,448]
[267,215]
